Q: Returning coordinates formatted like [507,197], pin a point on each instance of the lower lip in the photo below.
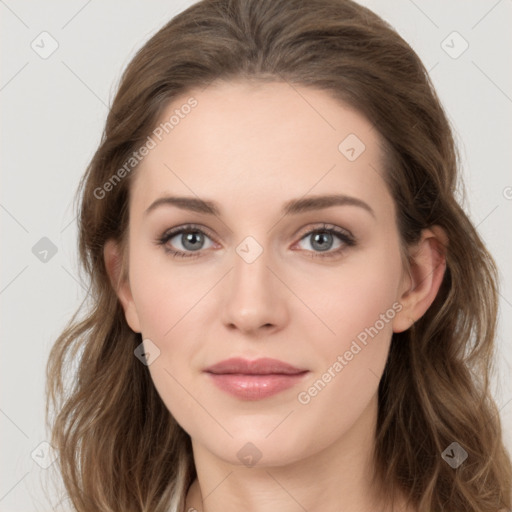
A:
[255,387]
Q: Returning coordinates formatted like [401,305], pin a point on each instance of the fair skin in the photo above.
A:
[251,148]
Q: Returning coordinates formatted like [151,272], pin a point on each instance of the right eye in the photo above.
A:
[188,236]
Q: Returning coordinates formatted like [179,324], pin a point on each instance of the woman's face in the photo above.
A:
[263,280]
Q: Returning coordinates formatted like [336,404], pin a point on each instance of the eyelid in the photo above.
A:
[172,232]
[324,226]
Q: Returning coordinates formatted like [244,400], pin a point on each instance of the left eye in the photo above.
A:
[192,239]
[323,236]
[322,239]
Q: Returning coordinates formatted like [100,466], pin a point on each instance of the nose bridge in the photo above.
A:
[253,299]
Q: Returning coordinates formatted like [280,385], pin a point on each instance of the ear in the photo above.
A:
[114,264]
[427,267]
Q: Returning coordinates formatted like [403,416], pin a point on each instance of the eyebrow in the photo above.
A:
[292,207]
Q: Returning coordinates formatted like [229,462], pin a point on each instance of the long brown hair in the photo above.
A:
[119,447]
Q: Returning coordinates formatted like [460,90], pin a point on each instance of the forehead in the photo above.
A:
[250,142]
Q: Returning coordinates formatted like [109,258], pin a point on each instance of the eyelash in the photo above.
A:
[343,235]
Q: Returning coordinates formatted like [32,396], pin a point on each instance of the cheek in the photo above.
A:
[169,305]
[164,295]
[165,299]
[358,305]
[359,297]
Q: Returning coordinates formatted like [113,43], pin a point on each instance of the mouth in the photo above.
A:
[254,380]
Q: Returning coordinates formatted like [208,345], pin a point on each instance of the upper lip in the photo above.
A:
[263,366]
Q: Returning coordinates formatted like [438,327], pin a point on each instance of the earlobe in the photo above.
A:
[114,264]
[427,268]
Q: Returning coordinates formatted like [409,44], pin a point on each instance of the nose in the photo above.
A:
[255,300]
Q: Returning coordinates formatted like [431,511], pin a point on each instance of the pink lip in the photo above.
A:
[254,380]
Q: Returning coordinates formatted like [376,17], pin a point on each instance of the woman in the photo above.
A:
[291,310]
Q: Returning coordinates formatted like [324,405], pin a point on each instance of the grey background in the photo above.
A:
[53,111]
